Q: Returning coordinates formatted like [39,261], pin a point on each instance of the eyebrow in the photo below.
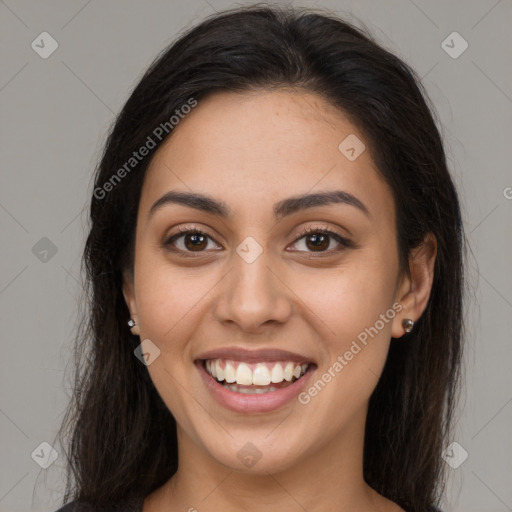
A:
[282,209]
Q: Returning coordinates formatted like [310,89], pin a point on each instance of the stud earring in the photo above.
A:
[407,324]
[131,323]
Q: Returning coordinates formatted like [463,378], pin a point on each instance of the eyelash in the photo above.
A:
[343,241]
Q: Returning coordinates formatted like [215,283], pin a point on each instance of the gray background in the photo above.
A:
[54,116]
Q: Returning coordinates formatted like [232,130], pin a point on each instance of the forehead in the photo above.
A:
[259,147]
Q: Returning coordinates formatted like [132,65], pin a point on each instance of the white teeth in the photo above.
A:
[288,371]
[219,372]
[243,374]
[262,375]
[277,375]
[249,391]
[229,373]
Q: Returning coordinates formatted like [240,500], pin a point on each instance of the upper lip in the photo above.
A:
[254,356]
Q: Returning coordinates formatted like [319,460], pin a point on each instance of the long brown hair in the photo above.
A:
[121,437]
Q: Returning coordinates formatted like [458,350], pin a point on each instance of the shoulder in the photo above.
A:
[76,506]
[131,505]
[431,508]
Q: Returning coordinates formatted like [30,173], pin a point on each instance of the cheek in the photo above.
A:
[168,296]
[352,297]
[350,303]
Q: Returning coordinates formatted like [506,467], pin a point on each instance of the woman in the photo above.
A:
[275,263]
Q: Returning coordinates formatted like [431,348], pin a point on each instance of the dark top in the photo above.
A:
[131,505]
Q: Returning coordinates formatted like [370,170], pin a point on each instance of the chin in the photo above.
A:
[243,455]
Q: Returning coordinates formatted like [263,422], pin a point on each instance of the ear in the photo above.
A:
[413,291]
[129,297]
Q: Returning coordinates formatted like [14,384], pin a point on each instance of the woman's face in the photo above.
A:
[256,294]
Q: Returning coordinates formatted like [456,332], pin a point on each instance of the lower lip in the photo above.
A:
[254,403]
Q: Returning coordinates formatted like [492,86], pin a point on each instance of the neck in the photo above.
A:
[327,478]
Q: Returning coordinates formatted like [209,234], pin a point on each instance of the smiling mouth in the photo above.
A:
[255,378]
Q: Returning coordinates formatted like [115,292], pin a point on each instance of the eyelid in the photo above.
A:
[341,239]
[184,230]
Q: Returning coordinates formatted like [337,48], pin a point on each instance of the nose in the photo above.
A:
[253,296]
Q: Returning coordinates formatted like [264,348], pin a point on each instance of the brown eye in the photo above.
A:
[188,241]
[193,241]
[318,240]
